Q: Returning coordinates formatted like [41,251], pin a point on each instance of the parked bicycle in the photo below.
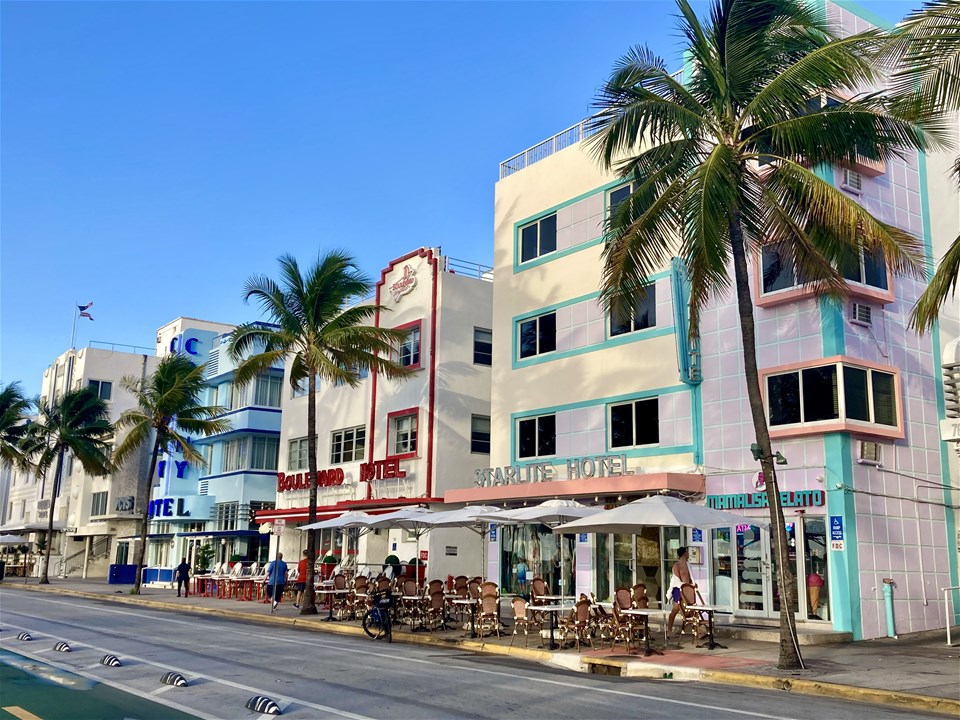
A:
[377,621]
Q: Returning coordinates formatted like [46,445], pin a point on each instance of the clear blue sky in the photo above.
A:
[156,154]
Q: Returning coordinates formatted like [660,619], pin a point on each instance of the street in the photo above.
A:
[319,676]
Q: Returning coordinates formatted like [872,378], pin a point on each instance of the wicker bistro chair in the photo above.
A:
[538,588]
[579,623]
[434,586]
[696,620]
[410,610]
[604,622]
[473,589]
[435,611]
[460,581]
[623,598]
[625,628]
[488,615]
[523,620]
[639,596]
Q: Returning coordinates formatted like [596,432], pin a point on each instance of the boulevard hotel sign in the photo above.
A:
[376,470]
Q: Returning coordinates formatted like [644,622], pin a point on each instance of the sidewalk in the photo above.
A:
[922,674]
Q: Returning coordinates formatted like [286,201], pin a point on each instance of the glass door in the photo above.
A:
[753,570]
[623,551]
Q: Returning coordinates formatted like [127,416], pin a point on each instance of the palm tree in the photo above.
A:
[14,406]
[78,422]
[168,405]
[756,72]
[926,46]
[320,323]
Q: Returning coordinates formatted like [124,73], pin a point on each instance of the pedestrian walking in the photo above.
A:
[301,579]
[183,578]
[679,575]
[276,579]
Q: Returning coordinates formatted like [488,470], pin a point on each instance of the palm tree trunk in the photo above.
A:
[145,520]
[308,605]
[45,576]
[789,647]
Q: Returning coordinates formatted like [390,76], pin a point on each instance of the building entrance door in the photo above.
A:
[757,581]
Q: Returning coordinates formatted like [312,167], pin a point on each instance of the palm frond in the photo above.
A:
[942,285]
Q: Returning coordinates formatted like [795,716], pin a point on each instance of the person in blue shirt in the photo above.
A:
[522,570]
[276,579]
[183,578]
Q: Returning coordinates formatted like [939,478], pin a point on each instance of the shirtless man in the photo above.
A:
[678,576]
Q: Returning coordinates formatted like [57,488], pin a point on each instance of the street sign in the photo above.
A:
[278,526]
[836,527]
[424,555]
[836,544]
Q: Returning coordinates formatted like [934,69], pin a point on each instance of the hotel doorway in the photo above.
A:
[627,560]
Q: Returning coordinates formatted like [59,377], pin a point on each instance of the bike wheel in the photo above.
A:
[372,624]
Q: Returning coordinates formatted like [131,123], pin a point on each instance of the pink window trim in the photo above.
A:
[414,411]
[418,324]
[802,292]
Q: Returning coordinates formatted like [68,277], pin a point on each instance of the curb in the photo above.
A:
[625,668]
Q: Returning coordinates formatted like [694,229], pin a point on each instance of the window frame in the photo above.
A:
[539,335]
[635,406]
[476,444]
[648,302]
[539,253]
[392,431]
[354,455]
[241,456]
[103,495]
[482,354]
[411,327]
[265,451]
[98,387]
[536,419]
[843,422]
[303,447]
[274,388]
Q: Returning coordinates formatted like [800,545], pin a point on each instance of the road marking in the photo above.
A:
[246,633]
[192,674]
[19,712]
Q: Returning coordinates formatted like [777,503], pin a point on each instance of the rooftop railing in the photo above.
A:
[563,139]
[114,347]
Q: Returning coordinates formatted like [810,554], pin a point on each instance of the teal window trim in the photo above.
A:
[519,267]
[653,451]
[624,339]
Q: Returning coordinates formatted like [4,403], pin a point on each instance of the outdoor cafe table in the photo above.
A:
[473,612]
[419,599]
[553,619]
[331,594]
[645,614]
[709,610]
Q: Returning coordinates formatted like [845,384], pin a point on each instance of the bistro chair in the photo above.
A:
[625,628]
[604,622]
[473,589]
[623,599]
[522,620]
[579,623]
[639,596]
[435,586]
[694,619]
[460,581]
[435,613]
[538,588]
[488,615]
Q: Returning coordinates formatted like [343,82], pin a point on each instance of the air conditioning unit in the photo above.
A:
[861,314]
[869,453]
[852,181]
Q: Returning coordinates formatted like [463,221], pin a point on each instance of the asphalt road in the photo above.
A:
[312,675]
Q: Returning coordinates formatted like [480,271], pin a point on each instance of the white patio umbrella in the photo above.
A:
[350,519]
[408,518]
[473,517]
[13,540]
[656,511]
[552,513]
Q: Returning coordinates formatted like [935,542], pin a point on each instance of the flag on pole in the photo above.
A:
[83,310]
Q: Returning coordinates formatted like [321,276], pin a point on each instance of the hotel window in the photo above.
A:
[777,269]
[538,335]
[264,452]
[403,434]
[361,373]
[98,504]
[235,455]
[102,388]
[619,194]
[302,389]
[297,458]
[482,346]
[814,394]
[538,238]
[408,354]
[236,395]
[537,437]
[267,392]
[635,423]
[644,314]
[206,452]
[866,268]
[480,434]
[347,445]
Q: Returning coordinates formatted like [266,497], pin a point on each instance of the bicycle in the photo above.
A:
[377,622]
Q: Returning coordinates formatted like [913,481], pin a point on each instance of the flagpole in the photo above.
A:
[73,330]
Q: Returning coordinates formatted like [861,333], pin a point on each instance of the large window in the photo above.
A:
[866,268]
[403,434]
[642,316]
[480,434]
[537,437]
[267,392]
[264,452]
[619,194]
[361,373]
[538,238]
[408,354]
[98,503]
[103,388]
[635,423]
[779,272]
[816,394]
[538,335]
[235,454]
[347,445]
[303,387]
[482,346]
[297,458]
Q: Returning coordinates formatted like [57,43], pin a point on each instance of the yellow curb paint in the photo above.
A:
[19,712]
[904,700]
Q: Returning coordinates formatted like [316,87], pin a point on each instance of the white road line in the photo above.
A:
[191,674]
[444,665]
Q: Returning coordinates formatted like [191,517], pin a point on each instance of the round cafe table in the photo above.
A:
[473,612]
[553,610]
[331,596]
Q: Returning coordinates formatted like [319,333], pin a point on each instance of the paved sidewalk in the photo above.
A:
[919,673]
